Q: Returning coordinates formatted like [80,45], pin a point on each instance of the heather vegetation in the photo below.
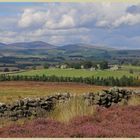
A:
[75,116]
[113,122]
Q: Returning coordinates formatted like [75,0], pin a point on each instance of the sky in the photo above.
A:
[114,25]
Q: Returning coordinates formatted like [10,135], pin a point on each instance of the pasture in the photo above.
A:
[130,67]
[78,73]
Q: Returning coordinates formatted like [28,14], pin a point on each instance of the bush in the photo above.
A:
[112,122]
[75,107]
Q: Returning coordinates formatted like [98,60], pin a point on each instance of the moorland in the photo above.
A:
[34,70]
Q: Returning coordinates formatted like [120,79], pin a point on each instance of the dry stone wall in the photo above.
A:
[109,97]
[39,106]
[31,107]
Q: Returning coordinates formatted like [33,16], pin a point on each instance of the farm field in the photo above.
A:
[130,67]
[78,73]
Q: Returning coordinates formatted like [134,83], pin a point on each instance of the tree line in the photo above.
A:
[109,81]
[87,64]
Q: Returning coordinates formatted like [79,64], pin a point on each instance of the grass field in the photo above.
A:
[11,91]
[78,73]
[130,67]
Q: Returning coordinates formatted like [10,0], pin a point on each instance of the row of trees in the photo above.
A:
[110,81]
[88,64]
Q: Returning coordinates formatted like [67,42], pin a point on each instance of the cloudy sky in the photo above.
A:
[107,24]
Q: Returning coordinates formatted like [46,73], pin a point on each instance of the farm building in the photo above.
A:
[114,67]
[63,66]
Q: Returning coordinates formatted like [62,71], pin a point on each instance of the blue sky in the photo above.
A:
[106,24]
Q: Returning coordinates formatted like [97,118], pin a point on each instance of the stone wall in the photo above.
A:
[39,106]
[31,107]
[109,97]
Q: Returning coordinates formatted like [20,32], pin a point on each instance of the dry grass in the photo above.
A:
[7,122]
[63,112]
[71,109]
[134,100]
[11,91]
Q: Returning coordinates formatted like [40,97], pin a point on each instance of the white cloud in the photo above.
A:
[7,36]
[63,23]
[128,19]
[67,22]
[31,17]
[75,15]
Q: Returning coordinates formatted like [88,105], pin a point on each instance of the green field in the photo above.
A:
[130,67]
[78,73]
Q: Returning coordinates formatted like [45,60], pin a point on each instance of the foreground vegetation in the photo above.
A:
[75,118]
[113,122]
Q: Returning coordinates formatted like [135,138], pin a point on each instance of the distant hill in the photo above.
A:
[2,45]
[31,45]
[83,46]
[25,48]
[78,51]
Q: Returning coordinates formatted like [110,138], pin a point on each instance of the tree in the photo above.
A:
[104,65]
[6,70]
[46,66]
[34,67]
[76,65]
[87,64]
[131,71]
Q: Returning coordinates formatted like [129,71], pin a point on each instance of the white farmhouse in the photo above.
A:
[63,66]
[114,68]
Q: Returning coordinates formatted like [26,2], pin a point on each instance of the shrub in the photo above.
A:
[75,107]
[115,122]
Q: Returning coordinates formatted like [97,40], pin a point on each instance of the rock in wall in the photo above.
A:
[31,107]
[109,97]
[39,106]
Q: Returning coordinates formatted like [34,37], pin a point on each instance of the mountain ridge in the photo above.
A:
[45,45]
[42,44]
[40,48]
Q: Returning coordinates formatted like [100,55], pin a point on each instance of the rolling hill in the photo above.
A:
[32,45]
[69,51]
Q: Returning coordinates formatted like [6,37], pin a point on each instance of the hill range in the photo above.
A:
[79,51]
